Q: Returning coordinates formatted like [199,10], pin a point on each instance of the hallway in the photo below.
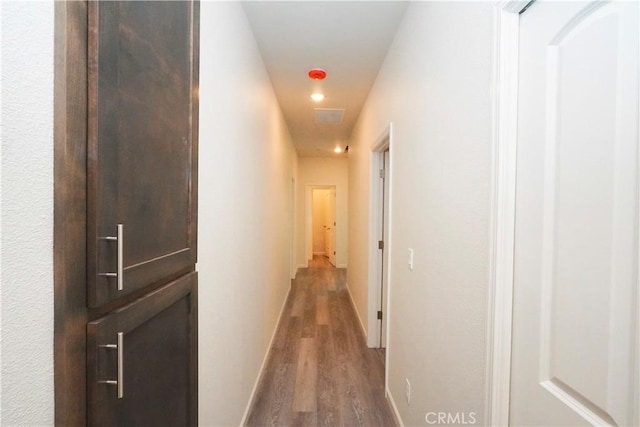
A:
[320,371]
[506,265]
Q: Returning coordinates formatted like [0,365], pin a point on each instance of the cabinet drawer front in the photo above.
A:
[142,148]
[142,360]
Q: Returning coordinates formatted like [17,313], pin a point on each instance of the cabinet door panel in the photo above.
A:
[142,143]
[153,363]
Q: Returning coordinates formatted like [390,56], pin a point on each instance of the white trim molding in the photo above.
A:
[252,396]
[394,408]
[505,103]
[363,330]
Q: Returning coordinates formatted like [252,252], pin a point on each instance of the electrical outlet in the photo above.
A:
[408,391]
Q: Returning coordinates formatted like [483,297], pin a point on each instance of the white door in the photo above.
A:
[576,294]
[328,224]
[318,221]
[331,225]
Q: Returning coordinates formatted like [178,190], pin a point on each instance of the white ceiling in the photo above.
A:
[348,39]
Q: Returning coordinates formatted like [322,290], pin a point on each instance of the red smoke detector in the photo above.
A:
[317,74]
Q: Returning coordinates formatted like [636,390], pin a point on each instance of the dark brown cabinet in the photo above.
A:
[142,360]
[142,139]
[141,225]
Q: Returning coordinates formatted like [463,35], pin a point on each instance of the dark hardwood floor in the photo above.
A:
[320,371]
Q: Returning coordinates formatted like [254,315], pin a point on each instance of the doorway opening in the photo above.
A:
[322,214]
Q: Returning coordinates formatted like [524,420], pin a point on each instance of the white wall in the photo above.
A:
[246,165]
[27,214]
[435,88]
[322,171]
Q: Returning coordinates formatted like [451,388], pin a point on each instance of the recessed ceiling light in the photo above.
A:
[337,150]
[317,97]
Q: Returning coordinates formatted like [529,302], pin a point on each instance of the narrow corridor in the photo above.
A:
[320,371]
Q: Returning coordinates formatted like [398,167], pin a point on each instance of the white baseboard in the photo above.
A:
[302,266]
[264,362]
[362,328]
[341,266]
[319,253]
[392,402]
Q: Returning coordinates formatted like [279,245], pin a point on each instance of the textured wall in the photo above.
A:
[435,86]
[27,213]
[247,163]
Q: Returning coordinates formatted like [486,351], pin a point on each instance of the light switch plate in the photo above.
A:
[410,259]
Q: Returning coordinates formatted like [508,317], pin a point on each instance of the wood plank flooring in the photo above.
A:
[320,371]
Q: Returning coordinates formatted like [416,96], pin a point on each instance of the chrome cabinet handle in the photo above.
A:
[119,381]
[120,271]
[120,365]
[119,274]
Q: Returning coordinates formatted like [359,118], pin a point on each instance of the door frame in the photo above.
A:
[308,221]
[383,143]
[503,194]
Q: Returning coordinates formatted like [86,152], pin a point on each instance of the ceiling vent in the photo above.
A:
[329,115]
